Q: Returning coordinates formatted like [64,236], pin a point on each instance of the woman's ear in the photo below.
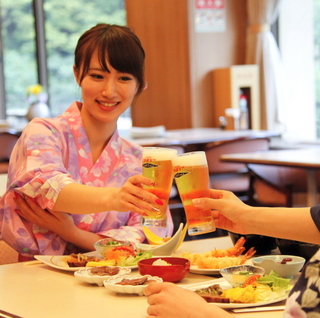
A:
[76,74]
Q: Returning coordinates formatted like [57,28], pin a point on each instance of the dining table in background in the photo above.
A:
[307,158]
[195,138]
[36,290]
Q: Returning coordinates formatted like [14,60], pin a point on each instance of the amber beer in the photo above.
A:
[192,179]
[157,165]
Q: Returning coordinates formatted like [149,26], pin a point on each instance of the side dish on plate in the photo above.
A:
[130,284]
[96,275]
[220,258]
[255,289]
[117,256]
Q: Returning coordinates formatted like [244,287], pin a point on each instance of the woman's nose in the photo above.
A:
[110,88]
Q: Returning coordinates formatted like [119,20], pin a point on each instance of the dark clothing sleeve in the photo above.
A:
[315,214]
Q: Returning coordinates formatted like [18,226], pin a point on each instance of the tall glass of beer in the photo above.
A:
[190,172]
[157,165]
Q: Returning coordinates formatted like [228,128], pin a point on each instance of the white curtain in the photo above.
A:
[262,49]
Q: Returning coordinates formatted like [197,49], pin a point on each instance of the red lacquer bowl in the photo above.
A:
[173,273]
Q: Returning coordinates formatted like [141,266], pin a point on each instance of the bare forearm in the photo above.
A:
[81,199]
[288,223]
[82,239]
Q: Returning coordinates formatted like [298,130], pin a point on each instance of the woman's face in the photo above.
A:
[106,95]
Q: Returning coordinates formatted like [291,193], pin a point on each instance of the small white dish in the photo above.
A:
[273,262]
[111,284]
[86,276]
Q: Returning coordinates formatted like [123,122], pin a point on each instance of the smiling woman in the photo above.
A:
[80,180]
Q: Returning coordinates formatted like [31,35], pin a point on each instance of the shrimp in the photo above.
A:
[220,258]
[236,250]
[225,261]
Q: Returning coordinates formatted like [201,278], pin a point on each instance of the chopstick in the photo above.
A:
[28,263]
[4,314]
[255,309]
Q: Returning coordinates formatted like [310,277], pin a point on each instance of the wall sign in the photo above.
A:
[210,16]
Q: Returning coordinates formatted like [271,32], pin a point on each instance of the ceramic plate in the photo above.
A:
[225,285]
[59,261]
[110,284]
[85,275]
[196,270]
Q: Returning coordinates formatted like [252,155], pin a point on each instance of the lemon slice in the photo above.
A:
[152,238]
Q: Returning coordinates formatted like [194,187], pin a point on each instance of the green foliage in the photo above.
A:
[65,21]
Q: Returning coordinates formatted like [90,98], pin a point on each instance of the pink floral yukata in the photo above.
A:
[51,153]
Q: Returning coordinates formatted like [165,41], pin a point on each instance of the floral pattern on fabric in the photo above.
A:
[51,153]
[304,298]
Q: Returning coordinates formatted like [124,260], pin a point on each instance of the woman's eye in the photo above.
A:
[126,78]
[97,76]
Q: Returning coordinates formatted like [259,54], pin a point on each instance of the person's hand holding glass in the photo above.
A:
[192,179]
[157,165]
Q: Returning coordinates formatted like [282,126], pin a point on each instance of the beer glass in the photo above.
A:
[157,165]
[192,179]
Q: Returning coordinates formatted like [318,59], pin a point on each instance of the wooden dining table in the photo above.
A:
[36,290]
[306,158]
[194,138]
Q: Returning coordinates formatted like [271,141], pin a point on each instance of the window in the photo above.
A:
[64,22]
[296,42]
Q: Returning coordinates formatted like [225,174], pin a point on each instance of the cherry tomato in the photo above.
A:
[128,249]
[251,280]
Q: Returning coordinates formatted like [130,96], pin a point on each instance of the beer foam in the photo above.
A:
[158,153]
[196,158]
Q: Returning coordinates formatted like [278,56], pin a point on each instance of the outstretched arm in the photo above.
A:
[81,199]
[233,215]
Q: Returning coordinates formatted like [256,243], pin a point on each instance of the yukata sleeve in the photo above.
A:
[128,229]
[38,169]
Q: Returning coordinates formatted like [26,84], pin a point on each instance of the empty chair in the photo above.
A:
[232,176]
[7,254]
[7,142]
[277,186]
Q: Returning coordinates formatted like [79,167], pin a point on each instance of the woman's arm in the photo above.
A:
[233,215]
[81,199]
[58,222]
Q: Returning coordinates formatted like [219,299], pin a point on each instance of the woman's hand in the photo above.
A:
[229,212]
[167,300]
[57,222]
[132,197]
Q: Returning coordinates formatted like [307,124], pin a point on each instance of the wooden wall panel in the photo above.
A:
[162,27]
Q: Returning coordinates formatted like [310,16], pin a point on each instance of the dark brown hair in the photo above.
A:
[116,44]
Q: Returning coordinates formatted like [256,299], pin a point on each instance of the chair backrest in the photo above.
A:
[7,142]
[216,149]
[7,254]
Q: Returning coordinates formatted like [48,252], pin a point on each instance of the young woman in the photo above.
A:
[84,176]
[169,301]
